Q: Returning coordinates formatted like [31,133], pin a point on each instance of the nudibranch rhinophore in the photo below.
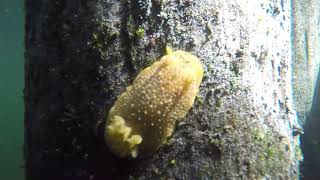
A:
[144,116]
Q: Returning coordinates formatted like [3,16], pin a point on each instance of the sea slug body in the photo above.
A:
[144,116]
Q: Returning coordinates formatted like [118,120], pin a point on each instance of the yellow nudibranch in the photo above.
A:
[144,116]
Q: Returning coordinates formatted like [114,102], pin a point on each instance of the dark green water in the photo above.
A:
[11,83]
[310,140]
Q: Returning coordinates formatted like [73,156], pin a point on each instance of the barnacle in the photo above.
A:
[144,116]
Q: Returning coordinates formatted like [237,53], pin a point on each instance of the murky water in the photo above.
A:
[11,83]
[310,141]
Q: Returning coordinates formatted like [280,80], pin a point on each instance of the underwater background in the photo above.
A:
[11,93]
[310,140]
[12,110]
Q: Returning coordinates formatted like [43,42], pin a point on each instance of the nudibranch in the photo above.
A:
[144,116]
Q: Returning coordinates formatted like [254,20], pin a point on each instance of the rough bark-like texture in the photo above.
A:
[306,54]
[80,55]
[306,81]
